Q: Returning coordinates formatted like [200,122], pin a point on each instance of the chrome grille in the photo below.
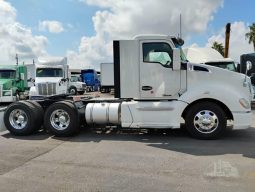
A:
[84,85]
[47,88]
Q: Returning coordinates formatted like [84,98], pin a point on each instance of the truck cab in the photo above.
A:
[76,86]
[91,78]
[13,82]
[51,77]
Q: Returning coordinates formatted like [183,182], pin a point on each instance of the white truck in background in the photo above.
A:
[76,86]
[155,88]
[106,77]
[209,56]
[52,77]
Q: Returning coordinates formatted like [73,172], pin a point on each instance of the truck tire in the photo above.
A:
[73,90]
[61,119]
[20,118]
[206,120]
[38,111]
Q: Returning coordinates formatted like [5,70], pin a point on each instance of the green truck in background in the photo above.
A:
[13,83]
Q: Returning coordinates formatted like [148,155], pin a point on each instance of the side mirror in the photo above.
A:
[176,59]
[248,65]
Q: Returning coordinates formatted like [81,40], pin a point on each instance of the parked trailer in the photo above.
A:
[155,88]
[107,77]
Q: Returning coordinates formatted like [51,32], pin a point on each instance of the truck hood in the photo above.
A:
[47,79]
[214,82]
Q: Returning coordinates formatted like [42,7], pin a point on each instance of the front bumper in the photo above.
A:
[242,120]
[81,89]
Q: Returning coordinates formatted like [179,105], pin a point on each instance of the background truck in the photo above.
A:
[155,88]
[209,56]
[13,83]
[90,77]
[242,68]
[52,77]
[107,77]
[76,86]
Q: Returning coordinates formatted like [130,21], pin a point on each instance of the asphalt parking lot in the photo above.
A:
[115,160]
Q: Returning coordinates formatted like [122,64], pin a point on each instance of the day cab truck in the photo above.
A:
[155,88]
[209,56]
[13,83]
[76,86]
[52,77]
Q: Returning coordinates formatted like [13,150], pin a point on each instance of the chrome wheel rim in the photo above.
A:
[18,119]
[206,121]
[60,119]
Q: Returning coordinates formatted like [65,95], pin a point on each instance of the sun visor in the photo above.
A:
[52,60]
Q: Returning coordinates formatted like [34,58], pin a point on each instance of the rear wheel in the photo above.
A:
[20,118]
[206,120]
[61,119]
[38,111]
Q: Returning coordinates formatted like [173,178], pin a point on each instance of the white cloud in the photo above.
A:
[118,19]
[51,26]
[238,44]
[17,38]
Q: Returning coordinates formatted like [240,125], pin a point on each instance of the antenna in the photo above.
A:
[180,25]
[17,59]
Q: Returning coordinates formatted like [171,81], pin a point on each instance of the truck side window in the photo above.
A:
[158,53]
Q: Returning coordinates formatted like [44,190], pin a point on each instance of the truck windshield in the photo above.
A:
[49,72]
[224,65]
[75,79]
[7,74]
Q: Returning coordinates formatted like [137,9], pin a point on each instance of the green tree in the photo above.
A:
[251,35]
[218,47]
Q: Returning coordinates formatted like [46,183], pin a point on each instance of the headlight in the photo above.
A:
[245,104]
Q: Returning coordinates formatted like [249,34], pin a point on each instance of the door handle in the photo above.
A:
[146,88]
[166,95]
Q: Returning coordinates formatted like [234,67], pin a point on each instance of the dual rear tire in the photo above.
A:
[23,117]
[26,117]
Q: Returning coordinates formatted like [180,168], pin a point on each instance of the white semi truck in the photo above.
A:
[52,77]
[209,56]
[155,88]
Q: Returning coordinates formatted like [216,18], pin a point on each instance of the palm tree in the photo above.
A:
[218,47]
[251,35]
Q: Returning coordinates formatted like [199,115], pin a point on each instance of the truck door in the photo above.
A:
[157,77]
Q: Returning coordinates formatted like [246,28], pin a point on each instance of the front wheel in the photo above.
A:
[206,120]
[73,90]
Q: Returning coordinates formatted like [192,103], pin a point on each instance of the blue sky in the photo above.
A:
[30,12]
[115,18]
